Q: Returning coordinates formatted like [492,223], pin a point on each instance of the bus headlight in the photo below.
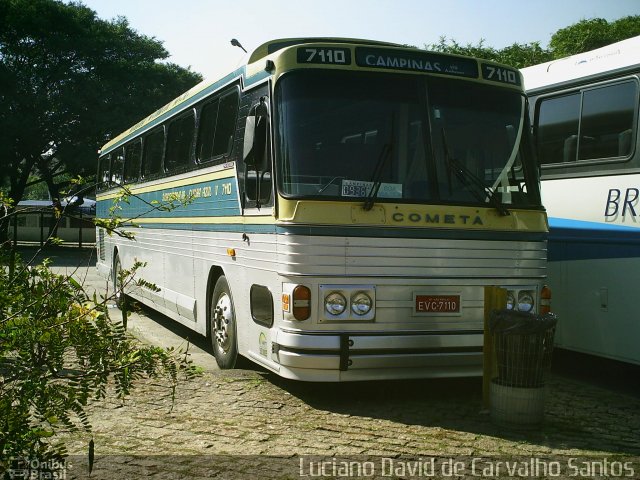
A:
[335,303]
[525,301]
[361,303]
[347,303]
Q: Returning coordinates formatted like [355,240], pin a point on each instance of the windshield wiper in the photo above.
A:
[376,178]
[477,188]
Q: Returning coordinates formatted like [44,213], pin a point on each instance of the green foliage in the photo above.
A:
[68,82]
[36,188]
[591,34]
[58,350]
[578,38]
[523,55]
[517,55]
[113,222]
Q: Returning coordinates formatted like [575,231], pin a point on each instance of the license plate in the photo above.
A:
[437,304]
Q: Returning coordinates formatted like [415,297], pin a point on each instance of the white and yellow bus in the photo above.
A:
[585,117]
[350,200]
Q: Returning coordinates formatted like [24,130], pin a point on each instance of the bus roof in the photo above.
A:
[254,71]
[273,46]
[616,57]
[258,53]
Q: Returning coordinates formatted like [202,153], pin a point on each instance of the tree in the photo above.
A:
[68,82]
[517,55]
[578,38]
[523,55]
[59,349]
[588,35]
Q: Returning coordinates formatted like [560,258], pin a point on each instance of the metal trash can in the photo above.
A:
[523,346]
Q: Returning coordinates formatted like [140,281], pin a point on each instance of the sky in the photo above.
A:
[197,33]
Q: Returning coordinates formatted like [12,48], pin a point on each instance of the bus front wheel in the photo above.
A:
[223,325]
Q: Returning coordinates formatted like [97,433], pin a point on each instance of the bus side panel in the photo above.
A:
[594,260]
[592,195]
[254,263]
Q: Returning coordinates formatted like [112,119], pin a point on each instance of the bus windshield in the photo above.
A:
[402,138]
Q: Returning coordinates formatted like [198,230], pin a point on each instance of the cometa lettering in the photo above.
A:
[436,218]
[404,63]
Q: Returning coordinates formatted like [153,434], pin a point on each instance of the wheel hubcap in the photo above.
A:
[222,318]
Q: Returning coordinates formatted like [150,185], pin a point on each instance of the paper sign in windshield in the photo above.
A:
[360,188]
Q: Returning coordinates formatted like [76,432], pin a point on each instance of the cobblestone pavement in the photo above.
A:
[246,412]
[269,421]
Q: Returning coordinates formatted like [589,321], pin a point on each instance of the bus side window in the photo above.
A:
[217,127]
[207,131]
[607,113]
[596,123]
[557,131]
[179,141]
[132,154]
[117,166]
[226,125]
[104,175]
[152,152]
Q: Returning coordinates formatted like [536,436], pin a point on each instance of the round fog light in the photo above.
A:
[361,303]
[335,303]
[525,301]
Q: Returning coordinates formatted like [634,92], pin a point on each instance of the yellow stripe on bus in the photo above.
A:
[237,220]
[407,215]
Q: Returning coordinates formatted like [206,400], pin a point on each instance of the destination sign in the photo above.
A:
[416,61]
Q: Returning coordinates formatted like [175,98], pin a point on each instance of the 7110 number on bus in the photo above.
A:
[499,74]
[337,56]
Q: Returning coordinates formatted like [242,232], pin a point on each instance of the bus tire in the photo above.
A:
[118,295]
[222,318]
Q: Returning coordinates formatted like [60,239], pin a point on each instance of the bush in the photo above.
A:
[58,350]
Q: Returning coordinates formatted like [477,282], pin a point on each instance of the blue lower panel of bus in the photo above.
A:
[213,198]
[352,231]
[579,240]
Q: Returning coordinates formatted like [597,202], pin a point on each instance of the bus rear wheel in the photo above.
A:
[223,329]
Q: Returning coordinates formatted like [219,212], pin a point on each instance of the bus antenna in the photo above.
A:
[236,43]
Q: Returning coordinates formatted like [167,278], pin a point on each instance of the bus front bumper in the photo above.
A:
[371,355]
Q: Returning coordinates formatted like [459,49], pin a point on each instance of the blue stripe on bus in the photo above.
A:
[399,232]
[348,231]
[580,240]
[214,198]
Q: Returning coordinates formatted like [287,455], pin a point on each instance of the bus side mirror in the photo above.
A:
[256,134]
